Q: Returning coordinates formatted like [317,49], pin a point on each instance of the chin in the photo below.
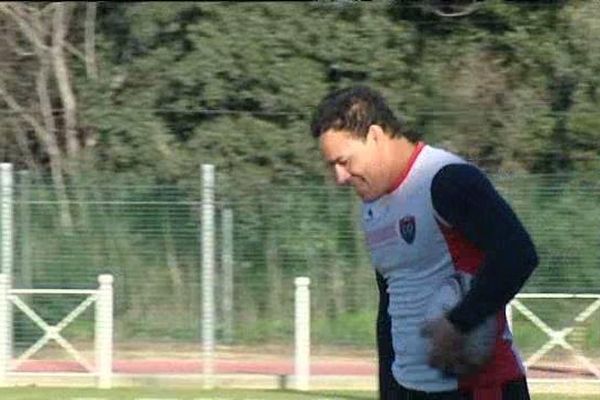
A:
[367,197]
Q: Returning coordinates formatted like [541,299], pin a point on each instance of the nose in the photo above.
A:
[342,176]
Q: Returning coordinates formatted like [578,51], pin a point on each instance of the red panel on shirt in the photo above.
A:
[504,366]
[466,257]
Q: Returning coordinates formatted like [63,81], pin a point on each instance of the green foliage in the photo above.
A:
[352,328]
[234,84]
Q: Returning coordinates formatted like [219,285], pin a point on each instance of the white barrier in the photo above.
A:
[557,337]
[227,275]
[208,274]
[7,246]
[104,331]
[5,329]
[103,297]
[302,337]
[6,218]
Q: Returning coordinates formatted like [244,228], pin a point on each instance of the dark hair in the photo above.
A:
[355,109]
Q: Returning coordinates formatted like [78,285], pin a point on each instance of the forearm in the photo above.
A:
[496,283]
[465,199]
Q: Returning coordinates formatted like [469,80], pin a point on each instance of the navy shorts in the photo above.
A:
[513,390]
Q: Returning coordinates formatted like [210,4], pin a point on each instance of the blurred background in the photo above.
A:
[109,109]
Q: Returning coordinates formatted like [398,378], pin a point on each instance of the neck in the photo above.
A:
[401,150]
[399,158]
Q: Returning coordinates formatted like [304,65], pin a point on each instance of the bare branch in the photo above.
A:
[15,11]
[90,40]
[35,30]
[44,96]
[31,23]
[16,107]
[12,40]
[47,9]
[73,50]
[21,136]
[59,31]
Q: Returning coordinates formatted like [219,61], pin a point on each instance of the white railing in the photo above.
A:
[556,337]
[103,297]
[302,334]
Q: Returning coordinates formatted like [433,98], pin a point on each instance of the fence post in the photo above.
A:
[6,219]
[208,273]
[227,267]
[26,275]
[302,330]
[4,329]
[509,316]
[104,331]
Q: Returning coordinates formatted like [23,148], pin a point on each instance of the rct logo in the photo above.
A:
[408,228]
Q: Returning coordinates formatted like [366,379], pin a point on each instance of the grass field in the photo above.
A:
[188,394]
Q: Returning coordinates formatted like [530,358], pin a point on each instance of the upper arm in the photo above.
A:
[465,198]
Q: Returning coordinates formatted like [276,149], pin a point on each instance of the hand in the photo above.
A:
[447,347]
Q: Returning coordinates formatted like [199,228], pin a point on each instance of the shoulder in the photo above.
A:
[461,189]
[435,157]
[458,176]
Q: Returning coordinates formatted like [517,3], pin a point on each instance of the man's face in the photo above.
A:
[355,161]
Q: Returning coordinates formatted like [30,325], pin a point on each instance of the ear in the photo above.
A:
[375,133]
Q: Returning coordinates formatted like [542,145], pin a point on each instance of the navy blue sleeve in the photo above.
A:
[464,197]
[388,387]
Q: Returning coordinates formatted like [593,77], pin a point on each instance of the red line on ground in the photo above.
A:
[163,366]
[269,367]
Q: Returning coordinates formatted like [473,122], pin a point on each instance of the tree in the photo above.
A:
[37,113]
[45,111]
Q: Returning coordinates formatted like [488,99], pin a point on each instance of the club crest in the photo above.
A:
[408,228]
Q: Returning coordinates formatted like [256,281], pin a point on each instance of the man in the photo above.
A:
[428,216]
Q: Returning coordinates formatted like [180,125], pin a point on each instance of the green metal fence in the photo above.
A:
[148,238]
